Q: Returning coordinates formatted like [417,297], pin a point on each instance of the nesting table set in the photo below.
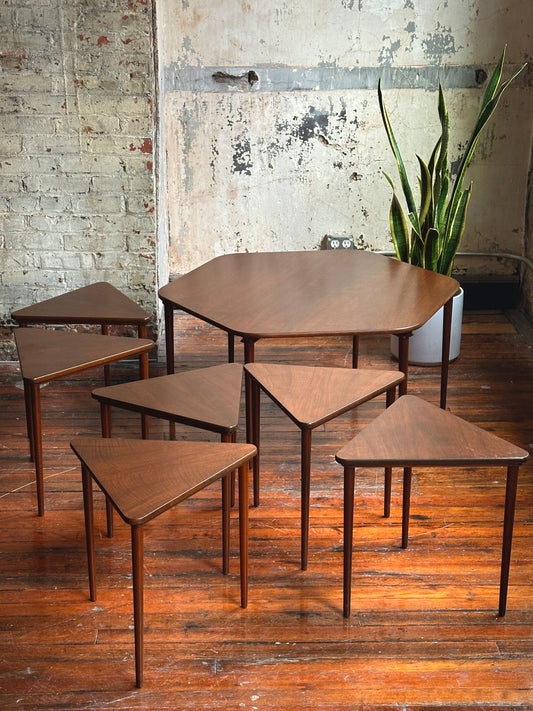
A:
[254,296]
[141,479]
[47,355]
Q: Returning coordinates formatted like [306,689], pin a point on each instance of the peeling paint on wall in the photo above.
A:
[300,151]
[388,51]
[241,156]
[440,45]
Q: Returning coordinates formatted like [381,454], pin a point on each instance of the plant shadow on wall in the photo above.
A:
[430,235]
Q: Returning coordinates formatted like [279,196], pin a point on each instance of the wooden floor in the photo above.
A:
[423,632]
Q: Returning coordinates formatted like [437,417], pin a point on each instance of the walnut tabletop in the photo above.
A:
[415,433]
[209,398]
[315,293]
[46,355]
[311,396]
[99,303]
[143,479]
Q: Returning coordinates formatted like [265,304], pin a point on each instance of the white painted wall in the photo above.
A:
[278,165]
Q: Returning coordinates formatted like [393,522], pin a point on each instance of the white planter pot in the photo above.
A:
[425,345]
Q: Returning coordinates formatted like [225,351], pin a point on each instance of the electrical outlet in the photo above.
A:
[339,242]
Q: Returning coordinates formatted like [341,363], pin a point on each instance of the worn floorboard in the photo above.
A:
[424,633]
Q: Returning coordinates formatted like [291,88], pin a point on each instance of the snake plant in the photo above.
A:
[431,234]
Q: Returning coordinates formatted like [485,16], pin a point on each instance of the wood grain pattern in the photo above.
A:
[313,293]
[99,303]
[208,398]
[425,634]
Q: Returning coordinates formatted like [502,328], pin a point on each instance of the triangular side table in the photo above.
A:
[415,433]
[47,355]
[312,396]
[100,304]
[143,479]
[206,398]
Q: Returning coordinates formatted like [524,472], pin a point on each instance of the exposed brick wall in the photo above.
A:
[77,198]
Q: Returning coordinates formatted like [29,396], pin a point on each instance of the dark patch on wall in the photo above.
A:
[314,125]
[304,129]
[386,53]
[242,157]
[439,45]
[360,242]
[311,125]
[213,162]
[454,164]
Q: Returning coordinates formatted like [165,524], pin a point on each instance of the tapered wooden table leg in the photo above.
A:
[305,495]
[387,491]
[390,398]
[349,491]
[107,368]
[403,359]
[29,420]
[144,373]
[508,523]
[253,428]
[105,418]
[89,529]
[137,551]
[226,501]
[32,395]
[169,336]
[355,351]
[243,532]
[407,477]
[445,365]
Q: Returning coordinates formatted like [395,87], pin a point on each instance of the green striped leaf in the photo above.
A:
[455,229]
[399,229]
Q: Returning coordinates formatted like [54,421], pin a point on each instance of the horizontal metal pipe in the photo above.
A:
[501,255]
[496,255]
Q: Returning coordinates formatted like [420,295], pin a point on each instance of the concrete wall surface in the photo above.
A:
[271,136]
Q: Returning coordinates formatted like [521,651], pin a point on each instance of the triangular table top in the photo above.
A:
[415,432]
[97,303]
[47,354]
[124,470]
[205,397]
[311,395]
